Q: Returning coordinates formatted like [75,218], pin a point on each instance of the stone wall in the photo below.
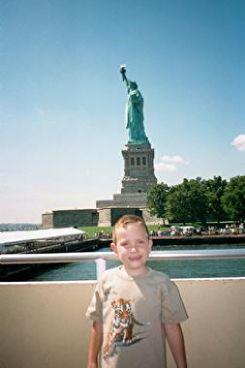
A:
[104,217]
[66,218]
[91,217]
[119,212]
[124,200]
[149,219]
[109,216]
[47,220]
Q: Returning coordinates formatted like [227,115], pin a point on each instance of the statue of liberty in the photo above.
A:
[134,111]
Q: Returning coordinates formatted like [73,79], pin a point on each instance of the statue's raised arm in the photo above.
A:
[124,78]
[123,72]
[134,111]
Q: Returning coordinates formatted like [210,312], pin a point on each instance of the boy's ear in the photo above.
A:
[114,247]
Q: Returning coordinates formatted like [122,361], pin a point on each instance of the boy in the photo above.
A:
[134,307]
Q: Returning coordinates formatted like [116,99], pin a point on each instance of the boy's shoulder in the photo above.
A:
[161,279]
[159,275]
[108,273]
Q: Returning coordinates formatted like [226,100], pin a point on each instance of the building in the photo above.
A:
[71,217]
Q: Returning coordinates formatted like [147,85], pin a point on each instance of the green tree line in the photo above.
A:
[199,200]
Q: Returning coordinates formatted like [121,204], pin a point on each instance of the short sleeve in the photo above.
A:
[173,309]
[94,311]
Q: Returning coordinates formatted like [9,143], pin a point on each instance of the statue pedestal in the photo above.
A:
[138,176]
[138,168]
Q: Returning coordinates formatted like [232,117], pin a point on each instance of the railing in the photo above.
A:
[100,258]
[40,320]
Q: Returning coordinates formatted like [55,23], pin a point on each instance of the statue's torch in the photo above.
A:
[123,71]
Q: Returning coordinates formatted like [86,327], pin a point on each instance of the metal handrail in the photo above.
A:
[100,258]
[92,256]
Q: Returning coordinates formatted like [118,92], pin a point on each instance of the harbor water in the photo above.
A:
[175,269]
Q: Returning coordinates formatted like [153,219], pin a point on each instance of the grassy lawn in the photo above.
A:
[91,231]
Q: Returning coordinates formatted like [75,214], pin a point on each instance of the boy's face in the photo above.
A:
[132,248]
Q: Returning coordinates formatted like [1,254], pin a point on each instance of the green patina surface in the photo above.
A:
[134,112]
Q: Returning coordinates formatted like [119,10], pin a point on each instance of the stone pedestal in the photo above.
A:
[124,200]
[138,177]
[138,168]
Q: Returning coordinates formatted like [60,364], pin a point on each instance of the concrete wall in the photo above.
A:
[43,324]
[104,217]
[47,220]
[109,216]
[100,217]
[119,212]
[124,200]
[149,219]
[66,218]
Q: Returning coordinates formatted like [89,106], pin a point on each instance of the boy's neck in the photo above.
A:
[133,273]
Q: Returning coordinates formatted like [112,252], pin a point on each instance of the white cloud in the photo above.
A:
[169,163]
[165,167]
[239,142]
[175,159]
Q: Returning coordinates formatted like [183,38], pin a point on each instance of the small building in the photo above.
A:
[70,217]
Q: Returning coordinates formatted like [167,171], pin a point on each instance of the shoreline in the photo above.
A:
[189,240]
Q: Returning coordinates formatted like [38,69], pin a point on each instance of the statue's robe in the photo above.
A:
[135,117]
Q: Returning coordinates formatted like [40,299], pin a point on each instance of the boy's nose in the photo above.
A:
[133,248]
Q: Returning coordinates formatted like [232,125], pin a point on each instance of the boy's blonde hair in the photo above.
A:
[126,220]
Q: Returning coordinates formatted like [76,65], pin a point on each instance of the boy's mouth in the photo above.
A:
[134,258]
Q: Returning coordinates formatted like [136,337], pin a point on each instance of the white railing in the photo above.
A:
[100,258]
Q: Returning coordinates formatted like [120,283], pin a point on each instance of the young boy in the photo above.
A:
[134,307]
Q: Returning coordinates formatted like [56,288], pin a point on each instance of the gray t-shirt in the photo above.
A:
[132,310]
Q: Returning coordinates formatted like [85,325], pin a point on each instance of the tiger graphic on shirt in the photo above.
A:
[121,331]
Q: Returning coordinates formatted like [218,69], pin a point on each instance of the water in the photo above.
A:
[175,269]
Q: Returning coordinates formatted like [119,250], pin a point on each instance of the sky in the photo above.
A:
[62,116]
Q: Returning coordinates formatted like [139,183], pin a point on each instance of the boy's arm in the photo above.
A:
[94,344]
[176,343]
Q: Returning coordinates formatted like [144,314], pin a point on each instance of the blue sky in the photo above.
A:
[63,100]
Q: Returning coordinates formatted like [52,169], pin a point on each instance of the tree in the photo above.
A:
[233,198]
[187,202]
[215,189]
[156,199]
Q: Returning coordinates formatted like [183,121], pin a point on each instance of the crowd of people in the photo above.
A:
[232,229]
[228,229]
